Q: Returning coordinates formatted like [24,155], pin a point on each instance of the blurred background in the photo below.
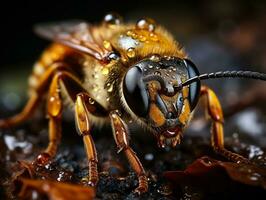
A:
[217,35]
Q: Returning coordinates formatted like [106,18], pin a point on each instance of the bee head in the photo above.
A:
[151,93]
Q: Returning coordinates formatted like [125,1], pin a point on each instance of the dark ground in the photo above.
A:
[206,178]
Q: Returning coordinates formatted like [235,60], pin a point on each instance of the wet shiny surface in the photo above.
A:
[69,166]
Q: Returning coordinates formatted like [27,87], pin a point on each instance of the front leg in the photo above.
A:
[83,107]
[54,110]
[217,138]
[120,133]
[83,126]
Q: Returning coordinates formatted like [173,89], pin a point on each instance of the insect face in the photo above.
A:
[151,93]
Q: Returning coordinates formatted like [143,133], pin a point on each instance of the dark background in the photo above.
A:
[19,44]
[218,35]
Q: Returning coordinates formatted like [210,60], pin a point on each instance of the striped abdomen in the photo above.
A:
[52,54]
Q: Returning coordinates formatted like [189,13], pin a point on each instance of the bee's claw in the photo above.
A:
[140,190]
[42,159]
[90,182]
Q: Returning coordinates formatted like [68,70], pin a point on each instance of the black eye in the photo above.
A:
[194,88]
[135,92]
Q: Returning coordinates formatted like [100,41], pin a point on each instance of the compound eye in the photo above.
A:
[135,92]
[194,88]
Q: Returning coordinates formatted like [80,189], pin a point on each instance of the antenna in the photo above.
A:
[224,74]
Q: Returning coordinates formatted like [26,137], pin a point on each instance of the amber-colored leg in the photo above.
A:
[34,99]
[121,139]
[217,139]
[84,105]
[54,110]
[83,125]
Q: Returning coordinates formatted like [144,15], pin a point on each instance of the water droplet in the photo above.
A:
[147,24]
[167,57]
[91,101]
[108,99]
[142,38]
[52,99]
[118,112]
[113,56]
[154,37]
[105,71]
[129,33]
[145,69]
[157,73]
[55,105]
[113,19]
[110,87]
[131,53]
[155,58]
[107,45]
[150,66]
[255,177]
[134,36]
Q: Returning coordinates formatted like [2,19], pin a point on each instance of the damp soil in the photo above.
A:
[190,171]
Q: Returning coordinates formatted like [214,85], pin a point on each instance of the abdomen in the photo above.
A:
[54,53]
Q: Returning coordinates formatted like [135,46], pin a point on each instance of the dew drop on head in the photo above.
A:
[146,24]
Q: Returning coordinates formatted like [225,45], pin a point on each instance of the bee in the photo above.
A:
[116,72]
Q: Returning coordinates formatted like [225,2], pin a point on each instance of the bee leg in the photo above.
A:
[34,99]
[217,138]
[84,104]
[54,110]
[83,126]
[122,142]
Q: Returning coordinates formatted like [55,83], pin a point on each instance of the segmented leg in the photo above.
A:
[54,110]
[34,99]
[122,142]
[217,138]
[83,125]
[83,107]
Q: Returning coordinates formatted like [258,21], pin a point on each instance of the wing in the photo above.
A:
[75,34]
